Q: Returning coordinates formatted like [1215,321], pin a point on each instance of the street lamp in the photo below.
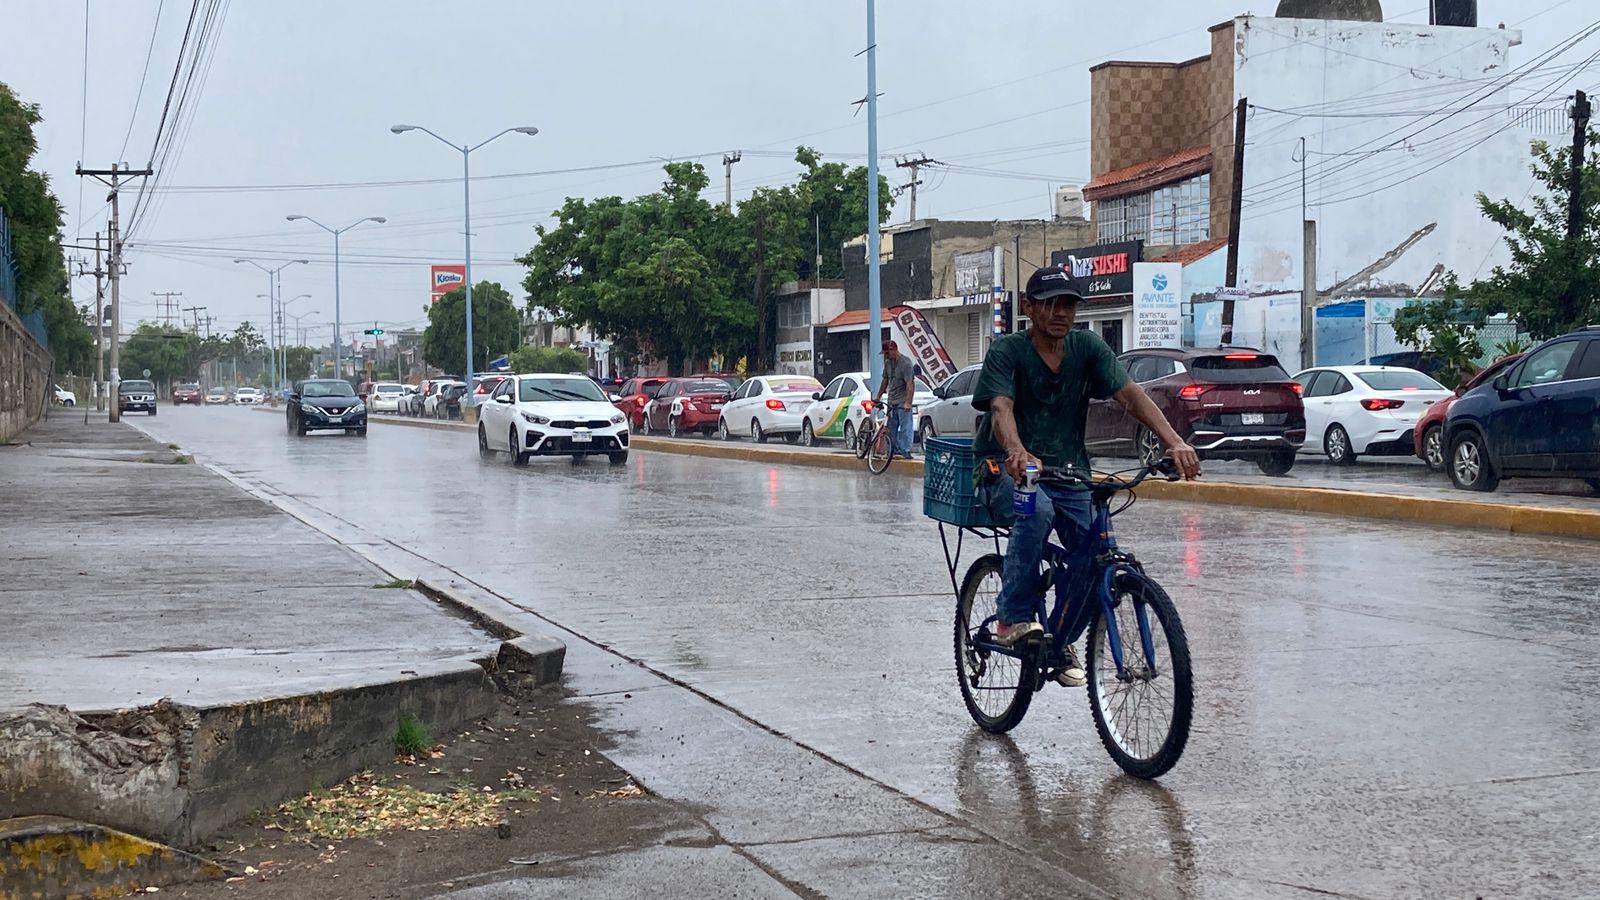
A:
[272,311]
[466,213]
[338,350]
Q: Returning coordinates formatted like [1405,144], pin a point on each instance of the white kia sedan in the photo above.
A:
[551,415]
[766,406]
[839,410]
[1354,410]
[246,396]
[385,397]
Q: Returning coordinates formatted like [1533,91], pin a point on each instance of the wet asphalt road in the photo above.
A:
[1381,710]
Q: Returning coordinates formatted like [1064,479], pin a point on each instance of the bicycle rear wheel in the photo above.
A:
[878,455]
[996,688]
[1142,714]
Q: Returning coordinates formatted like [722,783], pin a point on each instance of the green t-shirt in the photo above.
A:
[1050,407]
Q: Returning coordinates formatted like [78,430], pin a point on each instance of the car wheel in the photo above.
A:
[808,437]
[300,426]
[577,458]
[152,410]
[1148,447]
[518,458]
[1336,444]
[757,433]
[362,431]
[618,458]
[850,436]
[672,427]
[723,431]
[644,423]
[1433,448]
[1278,463]
[1470,468]
[483,441]
[925,431]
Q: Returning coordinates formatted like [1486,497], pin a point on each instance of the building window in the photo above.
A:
[1175,215]
[794,312]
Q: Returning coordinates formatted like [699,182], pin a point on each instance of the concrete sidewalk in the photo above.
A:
[132,576]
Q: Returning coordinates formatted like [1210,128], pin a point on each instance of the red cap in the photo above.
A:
[890,345]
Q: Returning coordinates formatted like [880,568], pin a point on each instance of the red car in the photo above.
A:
[1428,436]
[636,394]
[188,392]
[1227,402]
[687,404]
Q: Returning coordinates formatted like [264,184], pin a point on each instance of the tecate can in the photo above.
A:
[1025,495]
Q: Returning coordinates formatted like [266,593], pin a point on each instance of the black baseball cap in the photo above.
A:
[1052,282]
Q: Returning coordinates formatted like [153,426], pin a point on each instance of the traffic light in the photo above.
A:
[374,330]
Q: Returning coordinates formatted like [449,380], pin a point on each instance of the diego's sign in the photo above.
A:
[1106,270]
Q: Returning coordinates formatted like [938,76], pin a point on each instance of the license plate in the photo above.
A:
[581,438]
[716,406]
[1253,418]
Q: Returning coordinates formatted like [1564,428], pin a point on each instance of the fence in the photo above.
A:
[1356,331]
[32,322]
[25,361]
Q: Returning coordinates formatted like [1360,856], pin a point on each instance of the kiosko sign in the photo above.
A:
[447,279]
[1158,305]
[1106,270]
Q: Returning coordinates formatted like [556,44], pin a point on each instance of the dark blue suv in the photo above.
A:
[1540,418]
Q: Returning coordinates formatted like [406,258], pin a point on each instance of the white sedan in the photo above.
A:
[1351,410]
[551,415]
[385,397]
[65,397]
[839,410]
[768,405]
[951,412]
[246,396]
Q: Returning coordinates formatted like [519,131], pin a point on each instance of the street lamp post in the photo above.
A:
[466,214]
[272,311]
[338,350]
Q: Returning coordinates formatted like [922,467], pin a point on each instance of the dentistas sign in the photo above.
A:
[1106,269]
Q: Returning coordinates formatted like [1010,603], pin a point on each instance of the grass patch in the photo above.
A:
[368,804]
[397,583]
[183,459]
[411,738]
[173,447]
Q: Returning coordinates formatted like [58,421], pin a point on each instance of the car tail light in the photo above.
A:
[1193,391]
[639,402]
[866,407]
[1240,356]
[1377,403]
[1298,388]
[775,405]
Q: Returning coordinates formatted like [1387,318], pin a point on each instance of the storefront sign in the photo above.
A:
[1157,305]
[1107,269]
[974,272]
[446,279]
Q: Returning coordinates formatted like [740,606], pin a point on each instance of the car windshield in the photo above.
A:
[1233,368]
[247,390]
[389,389]
[1400,381]
[138,386]
[327,389]
[189,387]
[922,386]
[546,390]
[795,385]
[708,386]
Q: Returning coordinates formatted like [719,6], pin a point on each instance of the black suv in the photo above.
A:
[1538,418]
[325,404]
[136,395]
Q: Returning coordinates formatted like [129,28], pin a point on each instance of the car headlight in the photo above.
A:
[358,408]
[618,419]
[535,419]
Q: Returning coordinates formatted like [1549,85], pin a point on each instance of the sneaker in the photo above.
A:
[1012,635]
[1072,674]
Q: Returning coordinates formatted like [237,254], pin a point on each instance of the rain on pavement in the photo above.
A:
[1382,709]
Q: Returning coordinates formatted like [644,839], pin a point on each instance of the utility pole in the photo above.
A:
[906,162]
[1580,142]
[874,285]
[1235,208]
[99,320]
[761,288]
[728,159]
[168,305]
[194,311]
[114,236]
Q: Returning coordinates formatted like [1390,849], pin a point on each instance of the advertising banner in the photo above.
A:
[925,348]
[446,279]
[1157,305]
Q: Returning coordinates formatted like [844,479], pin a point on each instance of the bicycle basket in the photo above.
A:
[948,492]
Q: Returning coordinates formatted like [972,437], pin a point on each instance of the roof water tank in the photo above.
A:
[1345,10]
[1463,13]
[1069,202]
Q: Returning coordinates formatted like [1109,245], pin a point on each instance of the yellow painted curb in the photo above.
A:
[50,857]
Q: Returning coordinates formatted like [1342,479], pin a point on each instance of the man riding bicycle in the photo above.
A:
[1035,389]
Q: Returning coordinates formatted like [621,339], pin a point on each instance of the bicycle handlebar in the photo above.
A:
[1070,475]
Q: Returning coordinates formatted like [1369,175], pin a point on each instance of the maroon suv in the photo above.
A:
[1228,402]
[186,392]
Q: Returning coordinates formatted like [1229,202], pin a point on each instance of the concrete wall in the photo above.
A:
[24,376]
[1368,80]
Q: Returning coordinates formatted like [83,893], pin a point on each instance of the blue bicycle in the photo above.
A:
[1141,690]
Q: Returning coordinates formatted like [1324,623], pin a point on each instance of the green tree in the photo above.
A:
[34,216]
[1551,285]
[1445,329]
[496,328]
[297,362]
[548,359]
[166,351]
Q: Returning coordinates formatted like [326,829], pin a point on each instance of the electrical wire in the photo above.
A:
[149,53]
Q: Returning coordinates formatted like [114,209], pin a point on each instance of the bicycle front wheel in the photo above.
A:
[878,455]
[1142,712]
[996,688]
[863,439]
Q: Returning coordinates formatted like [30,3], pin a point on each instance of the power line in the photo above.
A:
[149,52]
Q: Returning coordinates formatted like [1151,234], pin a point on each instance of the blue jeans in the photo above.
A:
[1069,513]
[900,431]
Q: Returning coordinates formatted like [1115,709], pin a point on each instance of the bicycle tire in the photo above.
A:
[878,453]
[1166,631]
[863,439]
[972,666]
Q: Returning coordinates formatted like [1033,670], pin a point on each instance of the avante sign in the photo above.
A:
[1106,270]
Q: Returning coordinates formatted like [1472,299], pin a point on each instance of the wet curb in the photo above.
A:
[49,857]
[1475,514]
[526,654]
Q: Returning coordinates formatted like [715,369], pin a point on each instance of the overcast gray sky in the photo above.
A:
[304,91]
